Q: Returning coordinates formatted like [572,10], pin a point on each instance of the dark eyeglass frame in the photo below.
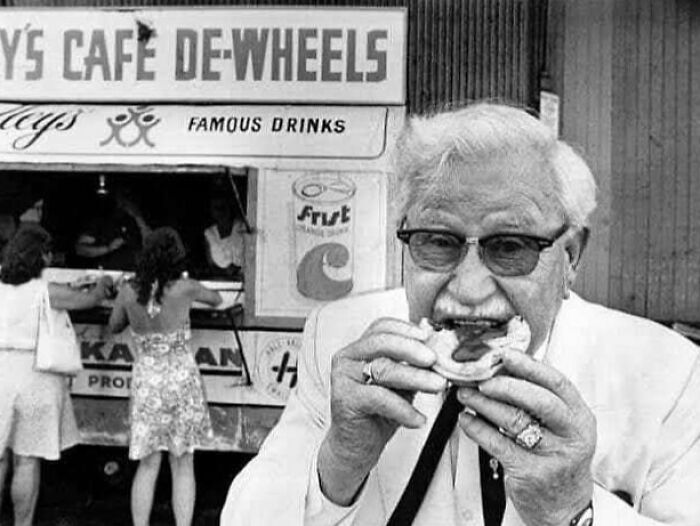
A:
[541,243]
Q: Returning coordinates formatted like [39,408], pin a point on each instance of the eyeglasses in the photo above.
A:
[503,254]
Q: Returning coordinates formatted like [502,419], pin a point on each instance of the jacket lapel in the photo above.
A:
[402,451]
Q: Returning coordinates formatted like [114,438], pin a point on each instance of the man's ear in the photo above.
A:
[575,245]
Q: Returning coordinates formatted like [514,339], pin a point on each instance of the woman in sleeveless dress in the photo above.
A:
[168,409]
[36,414]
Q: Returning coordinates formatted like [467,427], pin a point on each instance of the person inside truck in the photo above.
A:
[112,233]
[225,238]
[485,391]
[168,410]
[36,414]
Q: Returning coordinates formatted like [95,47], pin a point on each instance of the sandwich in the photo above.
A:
[484,340]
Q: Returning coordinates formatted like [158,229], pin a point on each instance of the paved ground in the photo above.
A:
[89,486]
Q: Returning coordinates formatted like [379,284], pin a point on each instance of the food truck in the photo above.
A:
[114,122]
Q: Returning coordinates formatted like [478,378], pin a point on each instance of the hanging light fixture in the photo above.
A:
[102,185]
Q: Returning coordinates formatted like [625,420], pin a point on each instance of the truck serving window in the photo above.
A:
[99,220]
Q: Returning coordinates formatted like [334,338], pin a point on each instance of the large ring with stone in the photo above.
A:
[367,376]
[530,436]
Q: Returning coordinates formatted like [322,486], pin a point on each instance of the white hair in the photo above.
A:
[429,146]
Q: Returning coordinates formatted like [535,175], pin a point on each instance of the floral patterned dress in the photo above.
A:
[168,409]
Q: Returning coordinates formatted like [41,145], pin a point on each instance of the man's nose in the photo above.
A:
[471,281]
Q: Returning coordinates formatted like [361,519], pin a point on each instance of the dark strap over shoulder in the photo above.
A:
[492,491]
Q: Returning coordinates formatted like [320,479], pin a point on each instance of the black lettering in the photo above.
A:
[305,53]
[329,54]
[120,55]
[208,53]
[312,125]
[120,351]
[90,350]
[305,212]
[217,124]
[339,126]
[71,37]
[292,125]
[93,379]
[231,124]
[105,381]
[257,124]
[280,53]
[185,54]
[144,52]
[252,45]
[35,55]
[376,55]
[118,382]
[345,214]
[326,126]
[352,75]
[228,357]
[277,124]
[205,356]
[9,50]
[190,125]
[202,125]
[97,56]
[332,220]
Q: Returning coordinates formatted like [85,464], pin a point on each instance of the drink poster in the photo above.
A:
[320,236]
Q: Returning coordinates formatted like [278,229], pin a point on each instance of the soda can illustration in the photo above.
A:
[324,235]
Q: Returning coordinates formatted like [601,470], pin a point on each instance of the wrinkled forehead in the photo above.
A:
[518,190]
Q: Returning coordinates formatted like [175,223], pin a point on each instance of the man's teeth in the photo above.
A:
[454,324]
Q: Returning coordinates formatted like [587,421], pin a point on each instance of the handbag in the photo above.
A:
[57,348]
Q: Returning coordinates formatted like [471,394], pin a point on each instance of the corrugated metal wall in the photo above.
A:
[457,51]
[655,237]
[639,124]
[585,43]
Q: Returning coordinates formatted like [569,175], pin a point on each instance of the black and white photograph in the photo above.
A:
[349,263]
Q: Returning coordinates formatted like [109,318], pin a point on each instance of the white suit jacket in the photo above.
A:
[641,380]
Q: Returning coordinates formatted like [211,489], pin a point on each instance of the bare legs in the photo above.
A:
[143,488]
[184,490]
[25,488]
[183,484]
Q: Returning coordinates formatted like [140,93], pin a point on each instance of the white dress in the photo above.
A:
[36,413]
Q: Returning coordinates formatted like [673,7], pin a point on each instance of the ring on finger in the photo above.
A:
[531,436]
[367,374]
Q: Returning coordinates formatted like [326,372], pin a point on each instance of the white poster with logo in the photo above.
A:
[320,236]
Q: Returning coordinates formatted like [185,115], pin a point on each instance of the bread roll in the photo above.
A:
[446,341]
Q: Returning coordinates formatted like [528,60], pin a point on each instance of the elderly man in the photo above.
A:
[597,422]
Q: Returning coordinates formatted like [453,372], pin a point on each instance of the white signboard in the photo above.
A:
[266,378]
[202,134]
[336,55]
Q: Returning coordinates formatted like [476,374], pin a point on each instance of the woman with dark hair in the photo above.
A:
[36,414]
[168,408]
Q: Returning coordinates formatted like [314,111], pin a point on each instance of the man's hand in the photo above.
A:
[551,482]
[365,416]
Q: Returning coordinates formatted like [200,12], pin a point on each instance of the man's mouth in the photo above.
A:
[472,333]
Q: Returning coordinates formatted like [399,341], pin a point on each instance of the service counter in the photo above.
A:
[244,403]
